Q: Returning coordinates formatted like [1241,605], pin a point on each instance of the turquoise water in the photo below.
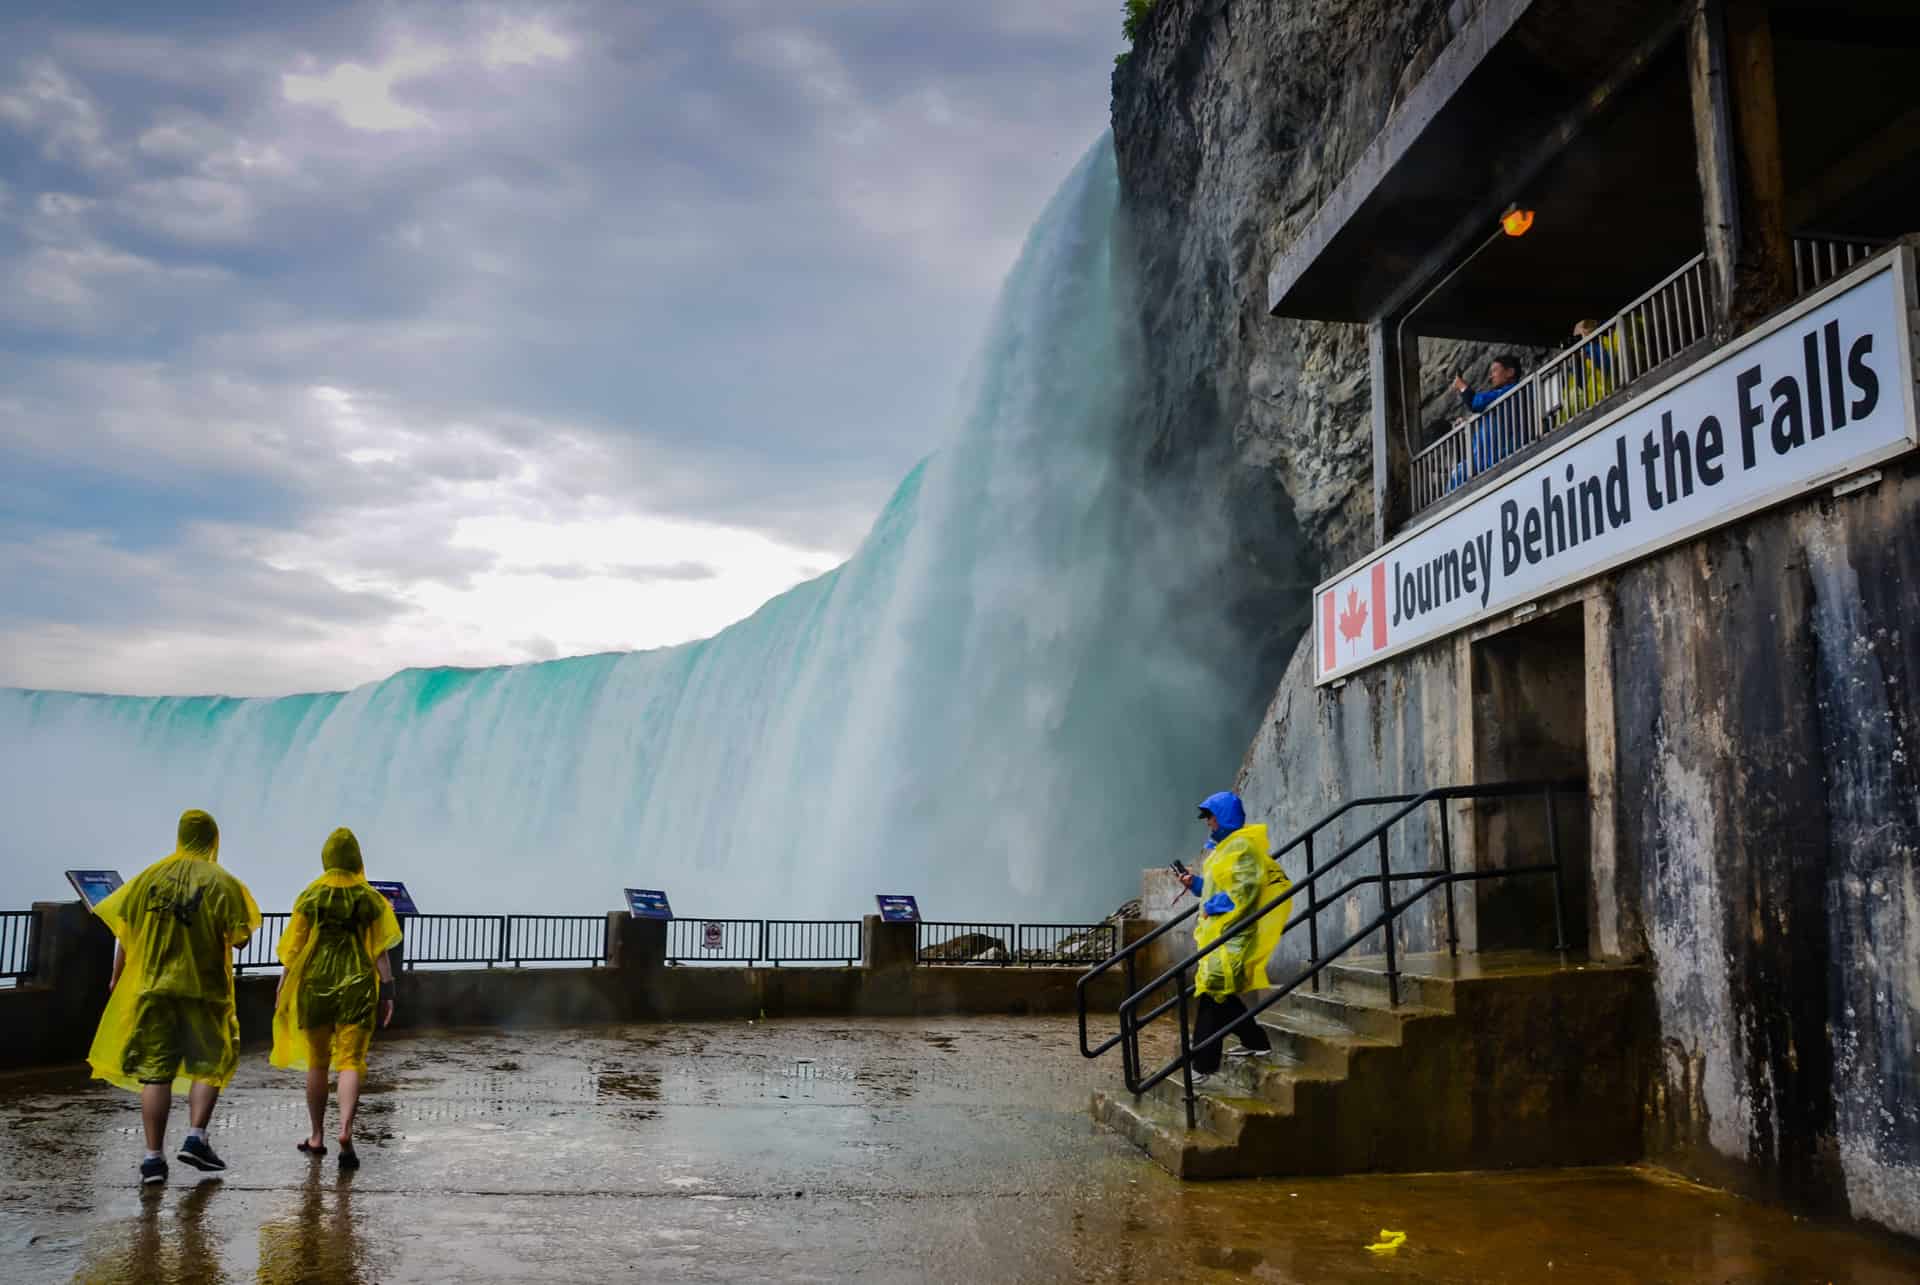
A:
[986,706]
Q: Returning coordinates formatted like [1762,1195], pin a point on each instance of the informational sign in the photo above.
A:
[94,886]
[712,935]
[397,894]
[648,903]
[1820,393]
[898,910]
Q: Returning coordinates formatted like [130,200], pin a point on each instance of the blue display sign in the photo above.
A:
[898,910]
[94,886]
[395,892]
[648,903]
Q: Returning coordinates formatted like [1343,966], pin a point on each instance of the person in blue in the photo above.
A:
[1239,876]
[1500,433]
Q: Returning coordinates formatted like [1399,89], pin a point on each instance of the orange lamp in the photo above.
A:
[1516,221]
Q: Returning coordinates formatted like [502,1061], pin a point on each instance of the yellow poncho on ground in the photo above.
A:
[1241,868]
[339,926]
[171,1016]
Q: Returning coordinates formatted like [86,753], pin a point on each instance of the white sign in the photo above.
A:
[711,935]
[1819,393]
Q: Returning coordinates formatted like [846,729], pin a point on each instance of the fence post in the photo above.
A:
[1559,892]
[1446,865]
[1386,915]
[1313,920]
[1186,1049]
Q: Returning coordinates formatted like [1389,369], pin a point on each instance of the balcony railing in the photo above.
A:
[1648,333]
[1818,260]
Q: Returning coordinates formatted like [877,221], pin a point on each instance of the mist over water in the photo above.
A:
[993,704]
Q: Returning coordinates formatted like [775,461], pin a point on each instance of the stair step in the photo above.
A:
[1311,1047]
[1353,1011]
[1364,980]
[1161,1132]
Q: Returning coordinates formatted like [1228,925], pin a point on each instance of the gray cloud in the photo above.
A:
[721,262]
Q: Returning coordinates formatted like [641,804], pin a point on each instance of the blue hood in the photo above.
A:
[1229,814]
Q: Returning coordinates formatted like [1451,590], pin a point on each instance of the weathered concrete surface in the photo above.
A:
[844,1150]
[1751,712]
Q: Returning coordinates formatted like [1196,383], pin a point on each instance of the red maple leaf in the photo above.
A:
[1354,618]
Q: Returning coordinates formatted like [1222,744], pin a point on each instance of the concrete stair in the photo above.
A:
[1488,1061]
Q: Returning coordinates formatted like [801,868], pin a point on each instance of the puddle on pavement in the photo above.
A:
[952,1149]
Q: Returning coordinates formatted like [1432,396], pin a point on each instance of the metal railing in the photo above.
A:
[555,939]
[714,941]
[1661,325]
[262,950]
[956,943]
[1818,260]
[1065,943]
[811,941]
[1132,1021]
[19,934]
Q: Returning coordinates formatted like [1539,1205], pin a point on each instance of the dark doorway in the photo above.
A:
[1529,723]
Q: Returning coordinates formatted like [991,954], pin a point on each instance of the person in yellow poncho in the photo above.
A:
[169,1023]
[335,981]
[1238,877]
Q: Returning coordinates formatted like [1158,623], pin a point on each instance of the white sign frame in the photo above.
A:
[1899,263]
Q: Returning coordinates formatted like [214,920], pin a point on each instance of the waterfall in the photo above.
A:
[994,704]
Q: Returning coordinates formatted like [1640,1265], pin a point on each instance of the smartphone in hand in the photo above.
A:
[1178,867]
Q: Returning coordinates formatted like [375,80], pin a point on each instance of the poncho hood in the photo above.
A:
[198,838]
[341,853]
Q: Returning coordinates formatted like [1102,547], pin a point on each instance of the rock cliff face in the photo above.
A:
[1749,703]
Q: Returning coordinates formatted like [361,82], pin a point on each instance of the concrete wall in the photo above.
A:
[1751,732]
[51,1021]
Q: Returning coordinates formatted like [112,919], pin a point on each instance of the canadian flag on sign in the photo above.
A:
[1353,618]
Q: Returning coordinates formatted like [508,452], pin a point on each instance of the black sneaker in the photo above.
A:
[196,1152]
[153,1171]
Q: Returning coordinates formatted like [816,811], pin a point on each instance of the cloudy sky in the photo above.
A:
[336,339]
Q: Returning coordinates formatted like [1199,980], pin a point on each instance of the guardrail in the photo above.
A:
[1661,325]
[1818,260]
[811,941]
[947,942]
[18,935]
[714,941]
[1065,943]
[262,950]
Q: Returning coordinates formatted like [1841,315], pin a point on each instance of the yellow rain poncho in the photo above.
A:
[171,1015]
[1240,868]
[339,926]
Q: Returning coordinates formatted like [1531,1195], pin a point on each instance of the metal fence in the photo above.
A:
[714,941]
[1662,324]
[555,939]
[262,950]
[960,943]
[811,941]
[1818,260]
[1065,943]
[17,939]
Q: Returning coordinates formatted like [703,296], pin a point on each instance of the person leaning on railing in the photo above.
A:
[1500,430]
[1238,877]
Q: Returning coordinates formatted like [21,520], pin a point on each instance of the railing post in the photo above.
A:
[1559,891]
[1313,920]
[1186,1049]
[1446,864]
[1386,912]
[1129,1053]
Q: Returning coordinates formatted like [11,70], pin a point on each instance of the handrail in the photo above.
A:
[1125,954]
[1132,1021]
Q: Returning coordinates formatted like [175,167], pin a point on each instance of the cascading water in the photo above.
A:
[990,705]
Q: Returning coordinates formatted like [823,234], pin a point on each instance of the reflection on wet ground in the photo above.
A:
[956,1149]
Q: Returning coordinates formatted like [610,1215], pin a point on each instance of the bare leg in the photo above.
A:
[349,1103]
[156,1103]
[200,1102]
[319,1052]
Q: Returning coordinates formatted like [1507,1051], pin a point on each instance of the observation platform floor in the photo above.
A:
[857,1149]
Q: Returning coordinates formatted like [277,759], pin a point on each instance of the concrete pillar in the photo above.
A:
[885,945]
[638,944]
[1389,379]
[1736,129]
[51,1018]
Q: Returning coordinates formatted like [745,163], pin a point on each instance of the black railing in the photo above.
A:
[956,943]
[1132,1021]
[714,941]
[18,934]
[1065,943]
[556,939]
[811,941]
[262,950]
[453,939]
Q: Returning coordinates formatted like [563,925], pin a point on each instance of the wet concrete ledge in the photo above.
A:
[51,1020]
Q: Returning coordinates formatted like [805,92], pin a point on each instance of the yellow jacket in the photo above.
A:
[1241,868]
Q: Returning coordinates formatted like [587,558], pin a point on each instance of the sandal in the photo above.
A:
[308,1149]
[349,1159]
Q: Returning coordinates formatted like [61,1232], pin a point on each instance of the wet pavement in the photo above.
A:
[952,1149]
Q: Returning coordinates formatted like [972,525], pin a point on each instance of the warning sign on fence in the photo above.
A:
[711,935]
